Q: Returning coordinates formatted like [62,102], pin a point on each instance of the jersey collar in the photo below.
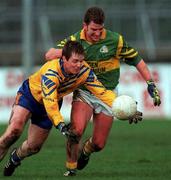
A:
[63,70]
[82,35]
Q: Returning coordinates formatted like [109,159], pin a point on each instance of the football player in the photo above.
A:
[39,98]
[104,50]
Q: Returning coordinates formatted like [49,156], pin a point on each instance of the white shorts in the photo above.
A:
[97,105]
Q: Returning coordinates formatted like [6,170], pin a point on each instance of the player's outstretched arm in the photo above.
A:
[151,87]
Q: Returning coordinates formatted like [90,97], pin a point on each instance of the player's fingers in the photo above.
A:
[135,121]
[158,102]
[155,102]
[139,118]
[73,137]
[130,121]
[138,113]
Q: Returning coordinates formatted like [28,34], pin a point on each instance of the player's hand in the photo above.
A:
[137,117]
[51,54]
[65,130]
[154,93]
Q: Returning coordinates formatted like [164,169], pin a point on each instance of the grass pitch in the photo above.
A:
[133,152]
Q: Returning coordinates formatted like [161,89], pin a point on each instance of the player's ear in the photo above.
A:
[64,58]
[84,25]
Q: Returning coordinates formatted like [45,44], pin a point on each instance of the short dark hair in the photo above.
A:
[72,47]
[94,14]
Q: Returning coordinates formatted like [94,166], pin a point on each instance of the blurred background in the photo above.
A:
[29,28]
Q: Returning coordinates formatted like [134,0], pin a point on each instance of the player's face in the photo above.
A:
[73,64]
[93,31]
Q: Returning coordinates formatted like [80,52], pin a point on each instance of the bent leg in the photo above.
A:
[80,116]
[36,138]
[102,126]
[101,130]
[19,117]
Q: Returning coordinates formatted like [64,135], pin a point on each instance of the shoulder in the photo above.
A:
[53,64]
[85,64]
[76,36]
[114,37]
[85,69]
[112,34]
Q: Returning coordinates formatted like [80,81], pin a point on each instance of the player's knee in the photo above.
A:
[15,132]
[98,147]
[78,132]
[33,149]
[16,127]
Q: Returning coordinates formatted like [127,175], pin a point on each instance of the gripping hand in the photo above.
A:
[154,93]
[65,130]
[62,127]
[137,117]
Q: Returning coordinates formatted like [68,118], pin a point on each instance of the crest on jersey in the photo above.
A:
[91,77]
[104,49]
[48,86]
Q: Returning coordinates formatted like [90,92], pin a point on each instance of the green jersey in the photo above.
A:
[105,55]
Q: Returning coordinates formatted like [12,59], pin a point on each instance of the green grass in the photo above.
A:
[133,152]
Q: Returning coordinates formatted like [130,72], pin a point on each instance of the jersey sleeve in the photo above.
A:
[49,85]
[127,53]
[61,44]
[97,88]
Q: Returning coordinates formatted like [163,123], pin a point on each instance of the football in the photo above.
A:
[124,107]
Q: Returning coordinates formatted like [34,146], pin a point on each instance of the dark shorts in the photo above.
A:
[39,116]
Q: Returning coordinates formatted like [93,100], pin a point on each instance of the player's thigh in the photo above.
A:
[37,135]
[102,125]
[19,116]
[81,113]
